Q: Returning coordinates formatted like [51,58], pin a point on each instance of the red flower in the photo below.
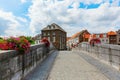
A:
[45,40]
[13,43]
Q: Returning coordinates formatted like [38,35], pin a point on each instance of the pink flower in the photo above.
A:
[14,43]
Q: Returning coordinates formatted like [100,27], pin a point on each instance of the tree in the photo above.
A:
[1,38]
[29,38]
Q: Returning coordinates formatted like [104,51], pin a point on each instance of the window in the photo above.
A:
[53,33]
[53,39]
[48,33]
[97,35]
[49,27]
[49,38]
[104,35]
[119,39]
[106,40]
[53,26]
[44,34]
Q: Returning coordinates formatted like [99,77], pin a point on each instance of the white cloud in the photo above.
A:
[102,19]
[10,25]
[115,3]
[23,1]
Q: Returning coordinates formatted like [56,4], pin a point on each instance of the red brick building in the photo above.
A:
[118,37]
[82,36]
[56,35]
[112,37]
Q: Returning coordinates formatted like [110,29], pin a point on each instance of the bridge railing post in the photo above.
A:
[110,56]
[119,59]
[87,47]
[79,46]
[97,51]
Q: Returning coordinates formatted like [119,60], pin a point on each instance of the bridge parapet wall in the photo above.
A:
[106,53]
[14,65]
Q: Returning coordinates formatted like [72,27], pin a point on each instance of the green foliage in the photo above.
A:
[29,38]
[15,43]
[1,38]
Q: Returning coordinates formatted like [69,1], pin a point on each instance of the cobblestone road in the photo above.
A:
[70,66]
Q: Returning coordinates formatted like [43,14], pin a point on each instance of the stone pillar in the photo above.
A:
[110,56]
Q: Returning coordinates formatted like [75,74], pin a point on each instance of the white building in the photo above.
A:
[37,38]
[102,36]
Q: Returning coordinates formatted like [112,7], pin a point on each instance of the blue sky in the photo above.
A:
[28,17]
[15,6]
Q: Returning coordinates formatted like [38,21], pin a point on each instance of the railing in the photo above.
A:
[14,66]
[107,53]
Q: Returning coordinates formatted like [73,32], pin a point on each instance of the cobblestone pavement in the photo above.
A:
[71,66]
[107,70]
[41,71]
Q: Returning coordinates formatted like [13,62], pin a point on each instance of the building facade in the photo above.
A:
[118,37]
[112,37]
[86,36]
[82,36]
[103,37]
[56,35]
[37,38]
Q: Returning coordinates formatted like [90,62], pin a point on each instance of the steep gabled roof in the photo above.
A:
[78,33]
[75,35]
[53,26]
[111,33]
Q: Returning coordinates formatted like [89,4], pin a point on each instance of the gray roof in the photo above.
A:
[53,26]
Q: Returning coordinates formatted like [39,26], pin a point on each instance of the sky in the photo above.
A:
[28,17]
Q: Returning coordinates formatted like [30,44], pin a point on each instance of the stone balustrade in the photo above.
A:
[106,53]
[14,65]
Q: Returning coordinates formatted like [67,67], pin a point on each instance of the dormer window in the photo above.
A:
[53,26]
[49,27]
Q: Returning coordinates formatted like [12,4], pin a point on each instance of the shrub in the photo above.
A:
[1,38]
[20,44]
[45,40]
[29,38]
[3,44]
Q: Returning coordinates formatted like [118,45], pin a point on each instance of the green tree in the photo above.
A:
[29,38]
[1,38]
[31,41]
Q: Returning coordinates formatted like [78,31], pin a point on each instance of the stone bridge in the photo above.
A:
[85,62]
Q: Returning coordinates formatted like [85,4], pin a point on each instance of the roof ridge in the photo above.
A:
[56,27]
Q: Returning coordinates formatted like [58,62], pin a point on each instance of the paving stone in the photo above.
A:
[107,70]
[73,65]
[70,66]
